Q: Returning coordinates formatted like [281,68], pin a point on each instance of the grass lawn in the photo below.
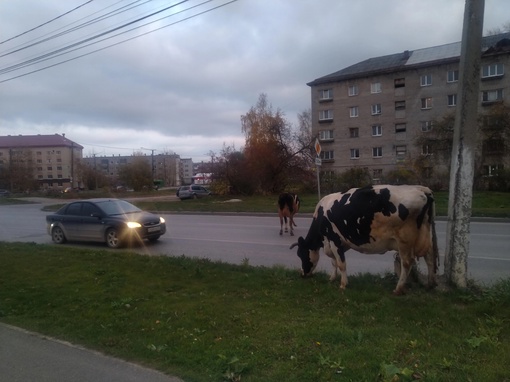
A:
[209,321]
[485,204]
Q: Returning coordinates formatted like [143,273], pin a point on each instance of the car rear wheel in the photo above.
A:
[57,235]
[195,196]
[112,238]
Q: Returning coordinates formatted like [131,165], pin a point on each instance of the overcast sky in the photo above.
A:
[184,87]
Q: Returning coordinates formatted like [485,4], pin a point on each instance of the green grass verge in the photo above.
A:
[211,321]
[485,204]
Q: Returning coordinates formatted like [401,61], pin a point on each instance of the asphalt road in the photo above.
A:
[255,239]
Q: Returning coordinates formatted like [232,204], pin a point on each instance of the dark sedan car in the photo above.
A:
[113,221]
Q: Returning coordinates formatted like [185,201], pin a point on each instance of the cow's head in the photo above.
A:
[309,258]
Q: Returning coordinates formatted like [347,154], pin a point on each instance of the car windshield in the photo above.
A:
[117,207]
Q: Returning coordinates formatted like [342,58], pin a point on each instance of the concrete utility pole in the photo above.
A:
[464,146]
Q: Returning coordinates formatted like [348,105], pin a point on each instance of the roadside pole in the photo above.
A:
[318,163]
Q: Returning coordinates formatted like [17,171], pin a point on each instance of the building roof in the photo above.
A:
[406,60]
[18,141]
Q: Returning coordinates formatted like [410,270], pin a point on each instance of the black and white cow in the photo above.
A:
[373,220]
[288,206]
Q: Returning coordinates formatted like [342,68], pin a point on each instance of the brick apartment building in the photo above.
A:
[369,114]
[50,160]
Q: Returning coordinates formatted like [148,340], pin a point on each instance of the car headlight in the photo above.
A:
[161,220]
[133,225]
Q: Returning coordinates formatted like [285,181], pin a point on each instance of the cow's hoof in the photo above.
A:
[292,234]
[281,233]
[399,292]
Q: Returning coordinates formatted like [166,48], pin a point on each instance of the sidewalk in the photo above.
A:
[28,357]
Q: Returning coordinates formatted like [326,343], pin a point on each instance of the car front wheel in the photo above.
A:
[57,235]
[112,238]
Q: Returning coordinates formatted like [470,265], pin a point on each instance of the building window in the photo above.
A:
[425,150]
[426,103]
[492,170]
[426,80]
[375,87]
[400,82]
[39,153]
[354,132]
[354,153]
[400,105]
[376,109]
[376,130]
[353,90]
[325,115]
[494,70]
[326,135]
[353,112]
[50,176]
[426,126]
[492,95]
[452,76]
[401,151]
[400,128]
[50,168]
[325,95]
[377,152]
[452,99]
[327,155]
[59,168]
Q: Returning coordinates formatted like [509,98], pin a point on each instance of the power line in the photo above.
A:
[47,22]
[48,55]
[39,40]
[45,56]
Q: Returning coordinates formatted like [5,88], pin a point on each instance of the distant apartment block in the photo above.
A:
[165,167]
[369,114]
[51,160]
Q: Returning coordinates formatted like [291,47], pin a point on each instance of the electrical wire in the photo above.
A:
[47,22]
[69,48]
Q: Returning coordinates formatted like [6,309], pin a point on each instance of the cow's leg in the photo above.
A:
[291,222]
[406,262]
[281,225]
[286,228]
[338,262]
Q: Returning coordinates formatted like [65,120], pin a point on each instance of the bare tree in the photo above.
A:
[273,152]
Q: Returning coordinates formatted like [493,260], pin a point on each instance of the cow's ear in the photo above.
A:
[301,241]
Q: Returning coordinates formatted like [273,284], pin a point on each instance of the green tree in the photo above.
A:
[91,177]
[137,174]
[492,155]
[20,172]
